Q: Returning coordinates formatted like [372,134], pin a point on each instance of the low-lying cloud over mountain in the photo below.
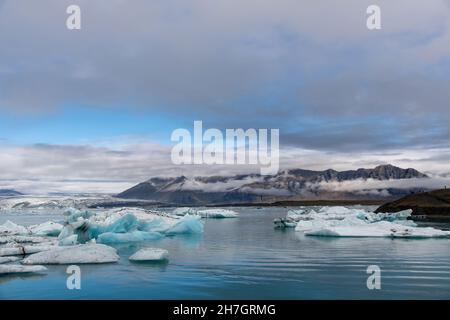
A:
[381,182]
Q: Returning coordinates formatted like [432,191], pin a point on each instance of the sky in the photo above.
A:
[93,109]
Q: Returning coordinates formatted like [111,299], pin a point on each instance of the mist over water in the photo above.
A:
[246,258]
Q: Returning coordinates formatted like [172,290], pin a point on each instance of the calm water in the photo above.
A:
[246,258]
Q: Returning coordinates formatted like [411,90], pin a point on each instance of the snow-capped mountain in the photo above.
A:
[293,184]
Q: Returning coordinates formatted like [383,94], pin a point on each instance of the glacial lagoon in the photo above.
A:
[246,258]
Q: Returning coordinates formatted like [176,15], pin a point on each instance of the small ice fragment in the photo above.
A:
[16,268]
[150,254]
[85,253]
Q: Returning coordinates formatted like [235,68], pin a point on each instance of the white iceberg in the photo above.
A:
[16,268]
[87,253]
[69,240]
[217,213]
[23,250]
[183,211]
[8,259]
[10,228]
[150,254]
[206,213]
[24,239]
[347,222]
[48,228]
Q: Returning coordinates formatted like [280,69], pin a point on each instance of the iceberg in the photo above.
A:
[150,254]
[69,240]
[10,228]
[281,223]
[84,253]
[186,225]
[183,211]
[23,250]
[206,213]
[23,239]
[346,222]
[16,268]
[8,259]
[124,225]
[217,213]
[49,228]
[133,236]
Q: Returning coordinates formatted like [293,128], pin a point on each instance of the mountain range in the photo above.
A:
[286,185]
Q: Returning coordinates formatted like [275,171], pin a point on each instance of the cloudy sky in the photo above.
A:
[93,109]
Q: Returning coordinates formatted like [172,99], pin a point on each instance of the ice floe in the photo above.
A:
[17,268]
[24,239]
[48,228]
[133,236]
[150,254]
[125,225]
[206,213]
[8,259]
[85,253]
[113,226]
[10,228]
[23,250]
[348,222]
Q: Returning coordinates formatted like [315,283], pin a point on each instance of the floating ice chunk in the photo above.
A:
[150,254]
[121,225]
[8,259]
[10,228]
[345,222]
[48,228]
[183,211]
[379,229]
[297,214]
[282,223]
[75,214]
[186,225]
[134,236]
[23,239]
[69,240]
[23,250]
[217,213]
[86,253]
[16,268]
[337,210]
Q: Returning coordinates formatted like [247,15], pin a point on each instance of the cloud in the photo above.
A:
[371,186]
[341,95]
[112,167]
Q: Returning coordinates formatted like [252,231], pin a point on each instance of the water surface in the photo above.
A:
[245,258]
